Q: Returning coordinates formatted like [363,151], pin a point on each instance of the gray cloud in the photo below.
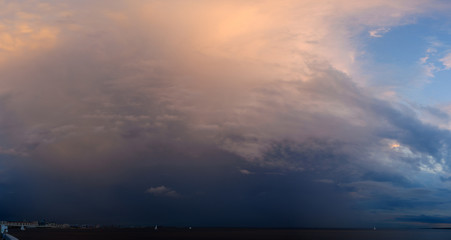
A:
[162,191]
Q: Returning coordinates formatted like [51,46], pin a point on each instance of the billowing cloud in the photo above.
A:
[109,94]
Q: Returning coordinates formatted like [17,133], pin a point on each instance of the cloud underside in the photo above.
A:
[162,191]
[105,92]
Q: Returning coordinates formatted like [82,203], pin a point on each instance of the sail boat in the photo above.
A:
[374,228]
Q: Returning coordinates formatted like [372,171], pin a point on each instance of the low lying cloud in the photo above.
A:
[163,191]
[245,172]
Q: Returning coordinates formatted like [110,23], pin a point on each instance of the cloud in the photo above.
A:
[446,61]
[252,86]
[100,93]
[245,172]
[425,219]
[25,30]
[377,33]
[249,82]
[437,58]
[163,191]
[249,89]
[326,181]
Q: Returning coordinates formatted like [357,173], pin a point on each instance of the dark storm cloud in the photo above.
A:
[387,177]
[125,154]
[107,149]
[411,131]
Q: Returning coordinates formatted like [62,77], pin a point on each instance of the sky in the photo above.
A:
[233,113]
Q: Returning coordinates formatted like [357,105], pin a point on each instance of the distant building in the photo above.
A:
[33,224]
[20,223]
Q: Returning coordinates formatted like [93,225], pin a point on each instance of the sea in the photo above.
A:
[231,233]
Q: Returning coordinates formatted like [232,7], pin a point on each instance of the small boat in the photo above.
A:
[374,228]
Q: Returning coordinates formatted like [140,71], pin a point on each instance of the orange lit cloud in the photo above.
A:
[395,145]
[25,33]
[266,71]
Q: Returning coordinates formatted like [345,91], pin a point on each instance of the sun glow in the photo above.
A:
[395,145]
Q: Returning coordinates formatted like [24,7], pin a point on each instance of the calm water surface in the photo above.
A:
[219,234]
[412,234]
